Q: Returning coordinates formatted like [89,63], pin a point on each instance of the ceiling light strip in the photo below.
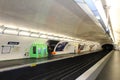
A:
[13,31]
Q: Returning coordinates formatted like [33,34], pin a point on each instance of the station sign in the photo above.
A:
[13,43]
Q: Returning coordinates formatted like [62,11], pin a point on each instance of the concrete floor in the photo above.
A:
[111,71]
[19,63]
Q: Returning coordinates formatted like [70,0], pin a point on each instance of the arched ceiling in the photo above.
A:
[54,16]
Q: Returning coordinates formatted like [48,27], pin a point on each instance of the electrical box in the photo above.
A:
[38,51]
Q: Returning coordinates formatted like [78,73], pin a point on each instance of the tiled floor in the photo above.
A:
[111,71]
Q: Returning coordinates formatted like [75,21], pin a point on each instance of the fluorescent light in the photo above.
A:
[34,35]
[66,39]
[79,1]
[51,37]
[23,29]
[70,40]
[43,36]
[12,26]
[101,11]
[98,17]
[24,33]
[56,38]
[60,38]
[11,31]
[8,30]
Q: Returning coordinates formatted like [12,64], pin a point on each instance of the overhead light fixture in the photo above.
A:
[50,37]
[11,31]
[66,39]
[100,10]
[79,1]
[98,17]
[56,38]
[7,30]
[24,33]
[34,35]
[43,36]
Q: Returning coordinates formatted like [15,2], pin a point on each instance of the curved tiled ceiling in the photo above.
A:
[54,16]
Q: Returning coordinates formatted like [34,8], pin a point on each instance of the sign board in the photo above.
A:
[13,43]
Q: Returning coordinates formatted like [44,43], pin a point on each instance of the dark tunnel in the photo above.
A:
[108,47]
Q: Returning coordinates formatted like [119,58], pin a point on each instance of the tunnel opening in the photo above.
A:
[107,47]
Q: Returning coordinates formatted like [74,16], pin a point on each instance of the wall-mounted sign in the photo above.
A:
[61,46]
[13,43]
[5,49]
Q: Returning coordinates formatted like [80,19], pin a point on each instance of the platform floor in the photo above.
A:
[19,63]
[111,71]
[10,63]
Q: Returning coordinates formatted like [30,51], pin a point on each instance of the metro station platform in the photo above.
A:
[111,71]
[60,67]
[20,63]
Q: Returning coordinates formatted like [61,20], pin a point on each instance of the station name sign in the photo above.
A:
[13,43]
